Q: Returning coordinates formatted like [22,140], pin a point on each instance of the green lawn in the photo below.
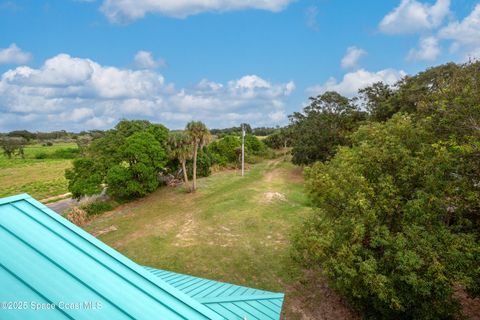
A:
[41,178]
[229,230]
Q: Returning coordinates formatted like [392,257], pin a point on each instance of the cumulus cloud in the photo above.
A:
[413,16]
[77,94]
[14,55]
[428,50]
[145,60]
[352,56]
[353,81]
[465,34]
[129,10]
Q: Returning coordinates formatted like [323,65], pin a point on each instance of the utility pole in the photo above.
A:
[243,150]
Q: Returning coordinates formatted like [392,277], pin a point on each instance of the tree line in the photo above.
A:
[132,159]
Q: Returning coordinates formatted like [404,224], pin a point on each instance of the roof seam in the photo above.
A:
[239,298]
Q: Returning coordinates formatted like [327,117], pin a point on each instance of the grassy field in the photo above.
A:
[232,229]
[41,178]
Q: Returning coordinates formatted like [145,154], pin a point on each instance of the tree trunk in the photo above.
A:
[195,149]
[185,175]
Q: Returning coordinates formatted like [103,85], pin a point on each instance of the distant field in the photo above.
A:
[41,178]
[232,229]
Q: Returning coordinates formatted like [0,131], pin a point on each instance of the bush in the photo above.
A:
[66,153]
[253,145]
[204,165]
[226,150]
[97,207]
[389,230]
[41,155]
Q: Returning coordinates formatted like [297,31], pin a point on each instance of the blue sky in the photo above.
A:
[79,64]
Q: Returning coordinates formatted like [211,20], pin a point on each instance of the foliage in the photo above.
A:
[142,158]
[98,207]
[127,158]
[12,146]
[282,138]
[200,136]
[390,231]
[82,144]
[226,150]
[180,148]
[84,178]
[204,164]
[324,125]
[253,145]
[235,131]
[26,135]
[376,100]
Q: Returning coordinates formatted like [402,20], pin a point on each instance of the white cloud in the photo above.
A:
[129,10]
[353,81]
[206,84]
[14,55]
[352,56]
[145,60]
[413,16]
[77,94]
[311,14]
[278,116]
[465,34]
[428,50]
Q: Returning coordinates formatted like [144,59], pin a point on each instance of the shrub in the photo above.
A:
[225,150]
[97,207]
[78,217]
[41,155]
[254,145]
[65,153]
[204,165]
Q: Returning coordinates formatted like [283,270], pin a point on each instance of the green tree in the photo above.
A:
[137,174]
[13,146]
[226,150]
[376,100]
[180,148]
[133,150]
[254,145]
[84,178]
[199,136]
[323,125]
[389,232]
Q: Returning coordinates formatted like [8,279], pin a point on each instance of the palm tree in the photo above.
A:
[180,147]
[199,136]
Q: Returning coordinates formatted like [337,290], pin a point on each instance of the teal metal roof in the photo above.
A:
[50,264]
[227,300]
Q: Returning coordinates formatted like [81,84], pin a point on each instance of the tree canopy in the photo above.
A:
[324,124]
[127,159]
[397,221]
